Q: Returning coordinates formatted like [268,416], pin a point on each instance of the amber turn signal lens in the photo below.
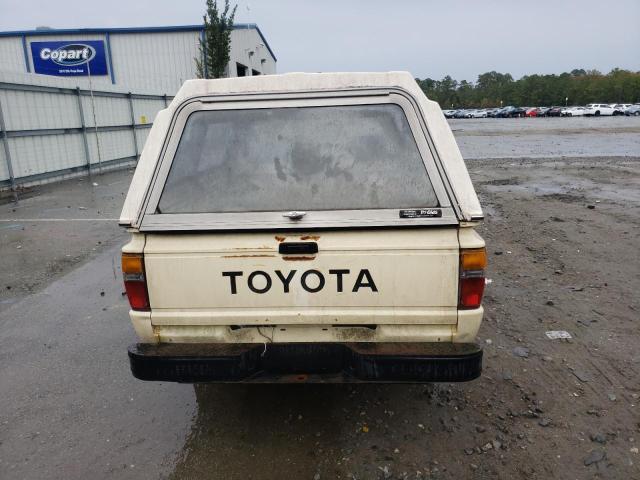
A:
[132,264]
[473,259]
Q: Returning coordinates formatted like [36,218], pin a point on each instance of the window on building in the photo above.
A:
[241,70]
[255,72]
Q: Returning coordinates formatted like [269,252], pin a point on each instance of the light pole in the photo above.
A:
[566,100]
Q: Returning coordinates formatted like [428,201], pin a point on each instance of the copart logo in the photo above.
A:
[69,55]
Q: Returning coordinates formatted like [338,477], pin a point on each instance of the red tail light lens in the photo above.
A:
[135,282]
[472,280]
[137,294]
[471,290]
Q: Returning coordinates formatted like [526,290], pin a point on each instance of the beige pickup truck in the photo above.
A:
[303,228]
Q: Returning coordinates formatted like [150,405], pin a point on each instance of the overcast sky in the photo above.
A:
[428,38]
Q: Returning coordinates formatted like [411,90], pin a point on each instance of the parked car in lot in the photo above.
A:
[620,108]
[554,112]
[460,114]
[633,110]
[542,111]
[477,114]
[598,109]
[531,112]
[449,113]
[347,261]
[504,112]
[573,112]
[512,112]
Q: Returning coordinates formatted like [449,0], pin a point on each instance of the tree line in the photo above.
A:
[493,89]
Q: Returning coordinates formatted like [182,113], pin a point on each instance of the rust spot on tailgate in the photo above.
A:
[355,334]
[280,239]
[298,258]
[310,237]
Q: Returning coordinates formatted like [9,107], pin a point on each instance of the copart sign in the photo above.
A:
[72,58]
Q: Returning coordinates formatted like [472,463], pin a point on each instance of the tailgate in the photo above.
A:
[407,276]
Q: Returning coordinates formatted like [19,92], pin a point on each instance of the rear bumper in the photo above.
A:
[306,362]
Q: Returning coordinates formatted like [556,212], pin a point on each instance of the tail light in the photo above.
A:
[135,282]
[473,261]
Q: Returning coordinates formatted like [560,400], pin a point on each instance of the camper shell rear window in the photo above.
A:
[350,157]
[362,161]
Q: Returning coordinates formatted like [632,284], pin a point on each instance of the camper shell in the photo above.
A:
[303,227]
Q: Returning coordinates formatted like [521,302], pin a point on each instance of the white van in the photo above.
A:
[303,227]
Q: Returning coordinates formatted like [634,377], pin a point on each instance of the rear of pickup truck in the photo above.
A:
[303,238]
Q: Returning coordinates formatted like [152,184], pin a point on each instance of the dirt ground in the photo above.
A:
[547,137]
[564,408]
[563,237]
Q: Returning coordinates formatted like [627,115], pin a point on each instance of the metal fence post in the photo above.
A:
[133,125]
[7,155]
[164,97]
[51,165]
[87,154]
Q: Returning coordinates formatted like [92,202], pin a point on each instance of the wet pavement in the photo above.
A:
[55,227]
[71,409]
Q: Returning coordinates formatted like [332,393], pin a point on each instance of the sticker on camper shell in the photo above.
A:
[421,213]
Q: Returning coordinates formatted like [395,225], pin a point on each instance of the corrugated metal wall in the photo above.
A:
[49,131]
[12,54]
[161,60]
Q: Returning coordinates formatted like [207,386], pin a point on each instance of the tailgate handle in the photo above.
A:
[292,248]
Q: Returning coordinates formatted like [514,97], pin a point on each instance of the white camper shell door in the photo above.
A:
[437,211]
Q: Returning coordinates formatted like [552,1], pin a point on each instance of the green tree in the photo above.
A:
[496,86]
[445,91]
[216,44]
[427,84]
[466,93]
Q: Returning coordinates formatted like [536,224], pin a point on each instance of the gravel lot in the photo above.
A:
[562,198]
[548,137]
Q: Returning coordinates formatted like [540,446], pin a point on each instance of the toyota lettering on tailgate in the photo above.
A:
[312,281]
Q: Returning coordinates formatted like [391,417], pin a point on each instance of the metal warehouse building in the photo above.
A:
[76,101]
[157,59]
